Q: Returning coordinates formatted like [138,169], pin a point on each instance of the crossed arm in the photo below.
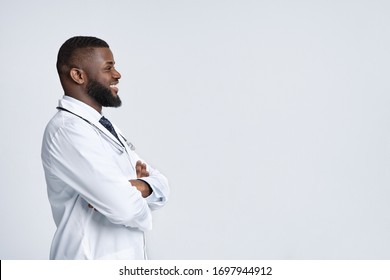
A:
[142,186]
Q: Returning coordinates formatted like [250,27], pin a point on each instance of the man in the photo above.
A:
[100,192]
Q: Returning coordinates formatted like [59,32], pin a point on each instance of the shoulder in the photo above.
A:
[64,125]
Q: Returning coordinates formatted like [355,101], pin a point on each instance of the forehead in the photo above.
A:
[101,56]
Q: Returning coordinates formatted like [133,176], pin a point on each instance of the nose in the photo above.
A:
[116,74]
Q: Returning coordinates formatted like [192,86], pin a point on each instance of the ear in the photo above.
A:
[78,75]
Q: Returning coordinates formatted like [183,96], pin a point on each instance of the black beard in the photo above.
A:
[102,94]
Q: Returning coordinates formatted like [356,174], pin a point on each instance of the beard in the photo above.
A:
[103,94]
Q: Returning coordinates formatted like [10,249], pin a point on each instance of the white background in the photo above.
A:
[270,118]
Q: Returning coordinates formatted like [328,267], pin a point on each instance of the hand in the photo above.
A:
[143,187]
[140,169]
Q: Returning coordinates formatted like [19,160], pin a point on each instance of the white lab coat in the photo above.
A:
[85,164]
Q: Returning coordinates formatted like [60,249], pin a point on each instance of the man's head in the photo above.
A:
[86,69]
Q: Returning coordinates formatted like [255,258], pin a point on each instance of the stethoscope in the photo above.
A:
[132,147]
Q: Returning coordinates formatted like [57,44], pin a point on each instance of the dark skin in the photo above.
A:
[143,187]
[100,67]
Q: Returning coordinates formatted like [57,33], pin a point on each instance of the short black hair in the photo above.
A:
[69,52]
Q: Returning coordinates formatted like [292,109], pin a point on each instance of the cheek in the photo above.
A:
[106,79]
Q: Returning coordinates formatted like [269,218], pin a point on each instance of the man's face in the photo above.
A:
[103,78]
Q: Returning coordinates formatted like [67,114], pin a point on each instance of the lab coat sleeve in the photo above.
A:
[79,158]
[156,180]
[159,184]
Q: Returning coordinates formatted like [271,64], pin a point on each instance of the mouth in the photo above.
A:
[114,87]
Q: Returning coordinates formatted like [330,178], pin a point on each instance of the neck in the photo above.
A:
[87,100]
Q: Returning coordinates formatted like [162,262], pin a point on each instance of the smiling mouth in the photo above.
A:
[114,87]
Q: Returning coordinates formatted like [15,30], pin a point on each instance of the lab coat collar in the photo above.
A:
[87,113]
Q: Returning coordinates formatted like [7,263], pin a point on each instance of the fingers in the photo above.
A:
[145,172]
[140,169]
